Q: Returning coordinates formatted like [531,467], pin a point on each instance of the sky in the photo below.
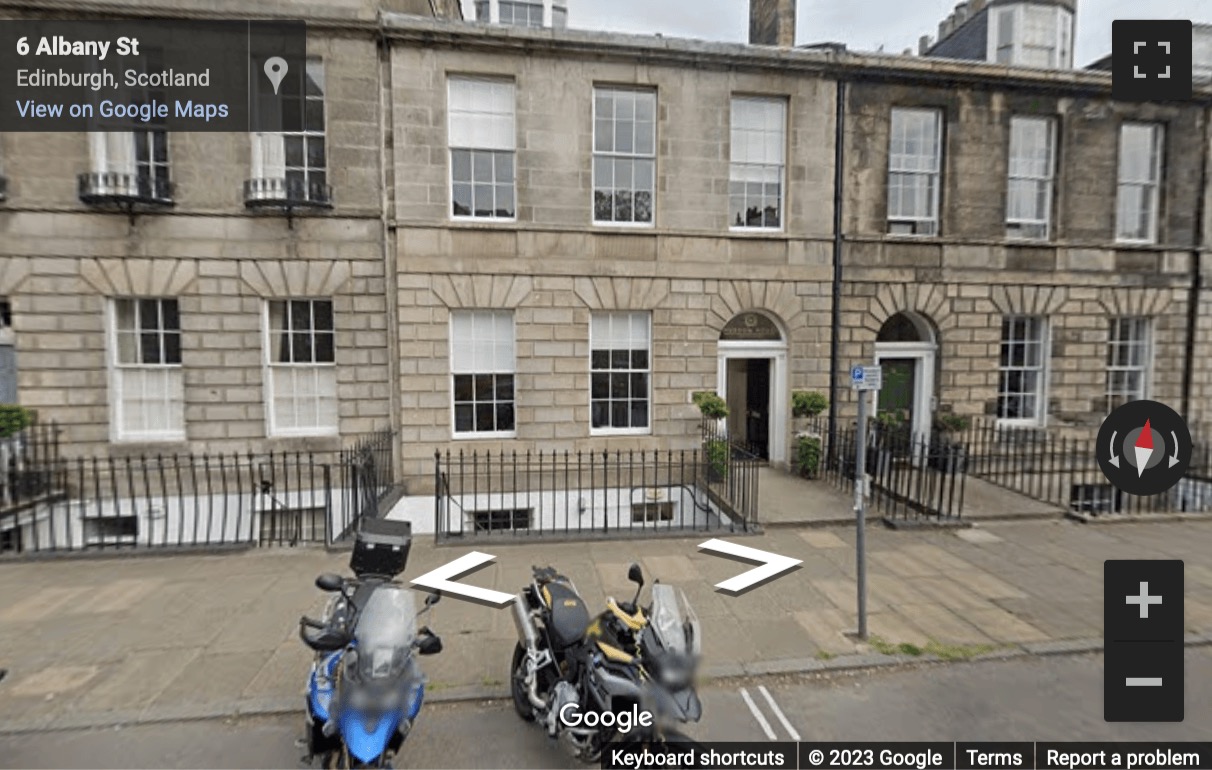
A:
[862,25]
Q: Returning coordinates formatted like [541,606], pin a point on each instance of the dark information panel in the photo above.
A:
[151,74]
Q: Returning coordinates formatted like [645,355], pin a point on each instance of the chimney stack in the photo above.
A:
[772,22]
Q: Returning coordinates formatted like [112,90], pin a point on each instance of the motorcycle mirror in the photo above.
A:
[432,599]
[430,645]
[635,574]
[330,582]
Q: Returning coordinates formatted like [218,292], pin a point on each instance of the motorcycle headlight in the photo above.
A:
[391,699]
[675,672]
[360,700]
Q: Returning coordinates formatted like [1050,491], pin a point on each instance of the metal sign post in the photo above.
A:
[863,379]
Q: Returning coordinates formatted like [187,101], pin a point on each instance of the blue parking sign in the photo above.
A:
[856,374]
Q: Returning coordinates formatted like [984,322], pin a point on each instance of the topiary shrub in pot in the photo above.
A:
[715,450]
[808,444]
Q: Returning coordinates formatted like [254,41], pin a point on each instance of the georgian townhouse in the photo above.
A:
[179,292]
[506,233]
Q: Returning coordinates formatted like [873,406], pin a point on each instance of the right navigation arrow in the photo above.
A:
[770,566]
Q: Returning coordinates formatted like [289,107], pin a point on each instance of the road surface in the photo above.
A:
[1023,699]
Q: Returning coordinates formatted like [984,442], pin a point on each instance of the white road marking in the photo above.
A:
[778,712]
[758,715]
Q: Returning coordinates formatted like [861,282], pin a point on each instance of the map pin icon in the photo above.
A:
[276,69]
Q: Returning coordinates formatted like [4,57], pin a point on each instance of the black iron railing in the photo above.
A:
[1061,469]
[207,500]
[911,477]
[732,467]
[580,494]
[26,462]
[368,480]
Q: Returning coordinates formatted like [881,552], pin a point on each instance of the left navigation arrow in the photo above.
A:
[443,579]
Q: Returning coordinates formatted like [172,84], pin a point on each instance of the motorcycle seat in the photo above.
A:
[569,616]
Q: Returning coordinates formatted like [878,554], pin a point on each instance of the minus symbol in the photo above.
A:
[1144,681]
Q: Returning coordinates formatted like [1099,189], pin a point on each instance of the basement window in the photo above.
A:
[293,525]
[504,519]
[110,530]
[645,512]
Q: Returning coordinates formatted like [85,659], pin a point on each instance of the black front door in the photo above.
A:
[758,406]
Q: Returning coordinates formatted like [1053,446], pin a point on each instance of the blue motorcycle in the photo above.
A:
[365,688]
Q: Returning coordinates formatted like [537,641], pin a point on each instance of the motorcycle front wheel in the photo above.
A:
[517,684]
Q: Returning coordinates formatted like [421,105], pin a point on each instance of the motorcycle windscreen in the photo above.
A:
[385,632]
[367,737]
[674,621]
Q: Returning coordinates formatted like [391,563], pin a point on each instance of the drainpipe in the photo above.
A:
[839,182]
[1196,274]
[386,213]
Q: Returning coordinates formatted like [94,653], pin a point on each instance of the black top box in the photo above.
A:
[381,548]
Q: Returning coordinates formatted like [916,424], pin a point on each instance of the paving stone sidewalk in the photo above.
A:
[93,642]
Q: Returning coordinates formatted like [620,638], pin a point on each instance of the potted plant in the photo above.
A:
[13,420]
[808,403]
[715,444]
[947,452]
[808,444]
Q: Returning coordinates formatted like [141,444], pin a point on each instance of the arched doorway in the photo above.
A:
[753,380]
[905,349]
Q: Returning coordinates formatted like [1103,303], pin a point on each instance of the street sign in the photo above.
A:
[866,378]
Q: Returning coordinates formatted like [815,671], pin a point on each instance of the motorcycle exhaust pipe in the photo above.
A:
[527,633]
[529,636]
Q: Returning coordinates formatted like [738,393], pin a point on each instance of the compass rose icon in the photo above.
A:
[1144,448]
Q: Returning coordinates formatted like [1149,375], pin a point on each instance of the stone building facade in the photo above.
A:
[177,328]
[550,239]
[998,280]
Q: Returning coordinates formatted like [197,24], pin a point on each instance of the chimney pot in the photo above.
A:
[772,22]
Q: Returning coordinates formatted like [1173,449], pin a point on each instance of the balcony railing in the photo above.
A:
[277,192]
[102,187]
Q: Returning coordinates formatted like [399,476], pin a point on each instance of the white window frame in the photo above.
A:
[635,156]
[171,374]
[1140,337]
[741,167]
[1153,185]
[509,147]
[1018,171]
[902,166]
[610,316]
[273,369]
[268,156]
[477,369]
[1043,370]
[1061,50]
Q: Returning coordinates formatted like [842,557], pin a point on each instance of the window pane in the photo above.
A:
[172,348]
[464,389]
[600,385]
[464,418]
[619,414]
[485,417]
[505,416]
